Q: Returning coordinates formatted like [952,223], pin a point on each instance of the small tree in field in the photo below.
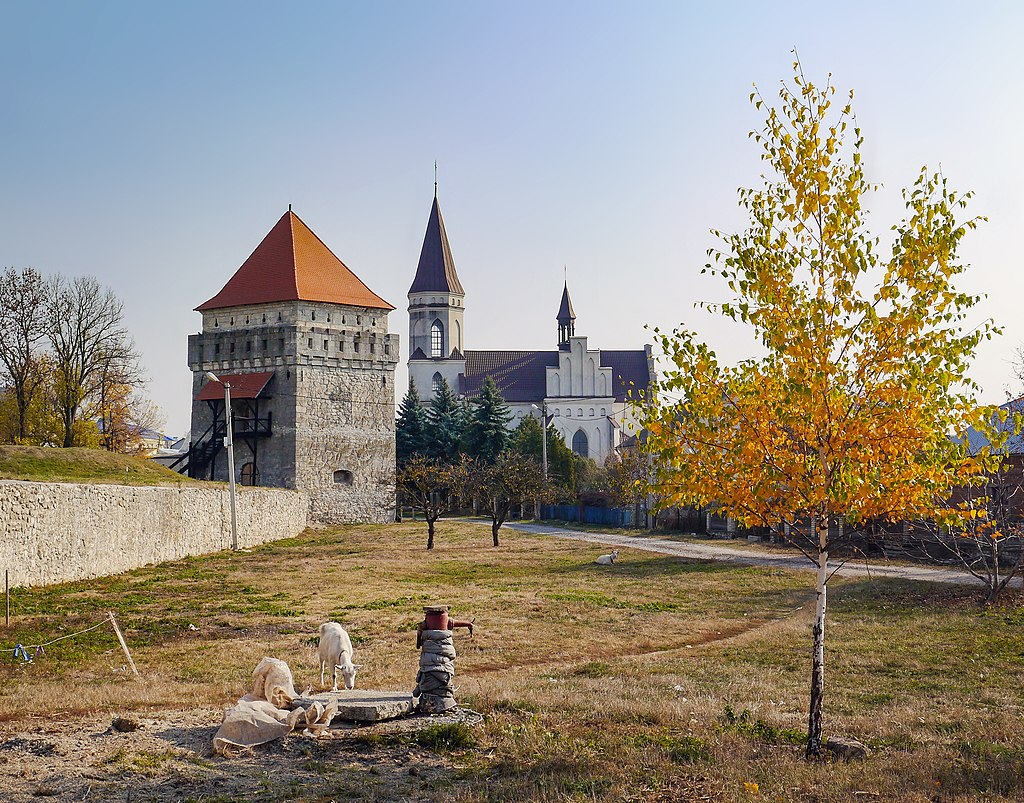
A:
[850,413]
[991,543]
[504,483]
[430,486]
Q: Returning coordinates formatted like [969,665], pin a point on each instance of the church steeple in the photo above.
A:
[436,297]
[566,319]
[435,272]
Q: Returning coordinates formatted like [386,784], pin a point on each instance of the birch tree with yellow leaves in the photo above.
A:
[852,411]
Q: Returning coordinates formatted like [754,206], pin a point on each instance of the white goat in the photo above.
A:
[272,681]
[336,653]
[608,560]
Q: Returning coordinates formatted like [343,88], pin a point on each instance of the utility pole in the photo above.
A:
[544,436]
[229,444]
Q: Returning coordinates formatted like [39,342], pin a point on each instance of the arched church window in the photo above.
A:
[579,413]
[568,413]
[458,336]
[436,381]
[436,339]
[580,444]
[591,411]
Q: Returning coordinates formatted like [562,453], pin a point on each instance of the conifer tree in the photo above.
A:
[487,434]
[561,465]
[410,428]
[445,422]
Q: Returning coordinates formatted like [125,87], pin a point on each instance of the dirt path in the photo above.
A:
[727,633]
[711,551]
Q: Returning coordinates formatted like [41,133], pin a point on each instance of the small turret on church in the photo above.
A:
[304,344]
[436,308]
[566,320]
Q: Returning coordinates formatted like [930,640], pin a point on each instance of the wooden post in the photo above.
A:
[7,596]
[124,644]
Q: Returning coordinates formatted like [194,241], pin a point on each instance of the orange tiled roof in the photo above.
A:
[243,386]
[293,264]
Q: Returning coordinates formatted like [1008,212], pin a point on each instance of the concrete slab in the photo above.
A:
[364,705]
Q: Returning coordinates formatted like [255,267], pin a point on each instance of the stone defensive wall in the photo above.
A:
[54,532]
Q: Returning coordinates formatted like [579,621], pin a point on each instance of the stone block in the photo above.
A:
[363,705]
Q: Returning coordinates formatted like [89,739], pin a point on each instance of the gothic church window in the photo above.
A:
[579,443]
[436,382]
[436,339]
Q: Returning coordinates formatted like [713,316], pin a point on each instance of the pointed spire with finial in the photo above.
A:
[435,272]
[566,319]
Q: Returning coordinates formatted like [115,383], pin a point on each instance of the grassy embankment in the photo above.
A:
[46,464]
[658,679]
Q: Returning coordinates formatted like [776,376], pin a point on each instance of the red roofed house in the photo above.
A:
[584,390]
[304,344]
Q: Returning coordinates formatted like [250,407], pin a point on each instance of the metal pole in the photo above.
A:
[229,444]
[544,436]
[7,596]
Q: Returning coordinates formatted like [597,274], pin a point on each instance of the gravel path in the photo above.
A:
[713,551]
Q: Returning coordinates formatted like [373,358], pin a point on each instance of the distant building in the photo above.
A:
[584,389]
[304,344]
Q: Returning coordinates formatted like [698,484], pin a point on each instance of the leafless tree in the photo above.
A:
[85,328]
[22,327]
[992,547]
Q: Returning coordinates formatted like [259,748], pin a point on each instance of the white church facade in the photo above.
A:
[585,391]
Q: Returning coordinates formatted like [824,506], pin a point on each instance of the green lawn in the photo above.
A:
[657,679]
[50,464]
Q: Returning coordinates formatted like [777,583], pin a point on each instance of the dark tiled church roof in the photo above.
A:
[521,375]
[436,270]
[628,366]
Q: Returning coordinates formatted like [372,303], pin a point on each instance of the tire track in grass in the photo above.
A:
[701,640]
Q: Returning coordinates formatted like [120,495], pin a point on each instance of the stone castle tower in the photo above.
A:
[304,344]
[436,307]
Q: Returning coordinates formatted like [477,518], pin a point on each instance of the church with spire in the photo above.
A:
[584,390]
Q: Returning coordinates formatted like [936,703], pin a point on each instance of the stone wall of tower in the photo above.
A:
[331,400]
[345,442]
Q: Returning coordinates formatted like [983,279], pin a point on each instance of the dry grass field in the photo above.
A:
[657,679]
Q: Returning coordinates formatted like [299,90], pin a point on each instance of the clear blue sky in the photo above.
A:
[153,145]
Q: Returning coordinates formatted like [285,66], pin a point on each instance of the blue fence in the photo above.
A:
[605,516]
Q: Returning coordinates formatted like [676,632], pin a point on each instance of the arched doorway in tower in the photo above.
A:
[250,475]
[580,445]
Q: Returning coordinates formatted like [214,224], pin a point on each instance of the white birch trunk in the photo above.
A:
[814,720]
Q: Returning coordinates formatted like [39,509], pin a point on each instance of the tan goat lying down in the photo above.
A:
[272,681]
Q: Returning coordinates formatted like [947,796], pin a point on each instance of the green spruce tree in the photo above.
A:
[486,434]
[446,421]
[410,427]
[561,465]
